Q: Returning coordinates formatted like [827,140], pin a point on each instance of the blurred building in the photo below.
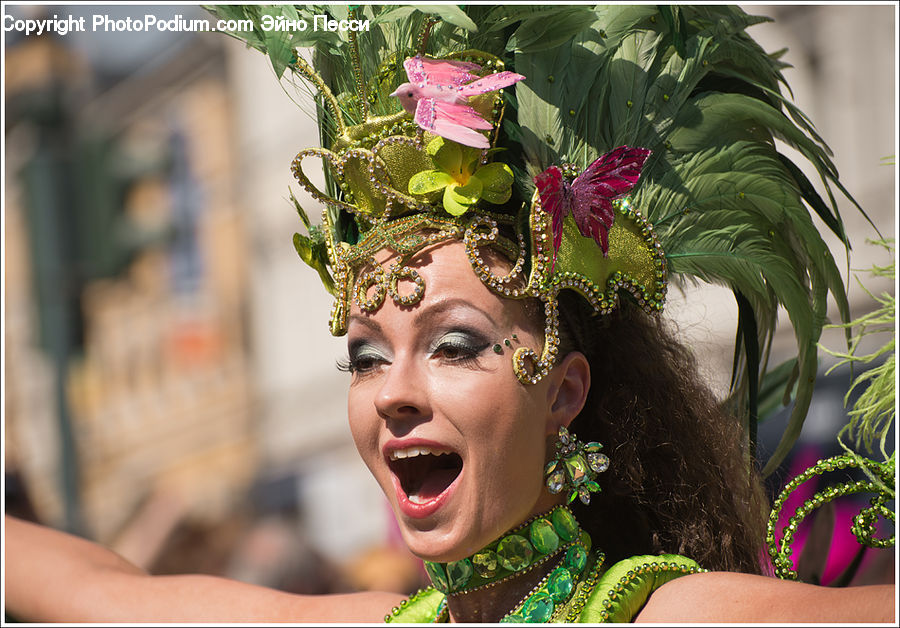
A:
[126,289]
[170,383]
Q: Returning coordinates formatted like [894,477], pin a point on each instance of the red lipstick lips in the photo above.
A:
[424,474]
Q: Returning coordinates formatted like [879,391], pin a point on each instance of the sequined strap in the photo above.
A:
[622,590]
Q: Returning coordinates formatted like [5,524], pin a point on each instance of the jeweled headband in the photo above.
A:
[557,134]
[409,185]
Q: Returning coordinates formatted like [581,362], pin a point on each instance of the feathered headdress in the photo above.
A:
[614,118]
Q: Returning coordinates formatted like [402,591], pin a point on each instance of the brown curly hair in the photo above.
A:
[679,479]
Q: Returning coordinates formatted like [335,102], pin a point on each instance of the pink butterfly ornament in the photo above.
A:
[438,93]
[589,197]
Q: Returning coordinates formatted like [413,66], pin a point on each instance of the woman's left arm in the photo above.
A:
[735,597]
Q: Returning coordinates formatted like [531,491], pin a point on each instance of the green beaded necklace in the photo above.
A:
[521,550]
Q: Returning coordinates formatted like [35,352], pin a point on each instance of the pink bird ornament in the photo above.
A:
[590,195]
[438,93]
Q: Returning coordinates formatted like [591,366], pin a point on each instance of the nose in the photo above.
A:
[404,392]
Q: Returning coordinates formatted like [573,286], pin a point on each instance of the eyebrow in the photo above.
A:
[445,305]
[423,315]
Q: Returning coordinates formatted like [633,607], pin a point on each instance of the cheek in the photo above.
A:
[503,421]
[364,424]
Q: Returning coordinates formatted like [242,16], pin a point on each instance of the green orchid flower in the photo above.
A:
[462,177]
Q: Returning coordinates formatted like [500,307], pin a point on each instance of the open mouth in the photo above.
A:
[423,472]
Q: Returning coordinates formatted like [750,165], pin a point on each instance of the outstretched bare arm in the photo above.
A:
[735,597]
[56,577]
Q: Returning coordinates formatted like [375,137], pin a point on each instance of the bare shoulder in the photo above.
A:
[737,597]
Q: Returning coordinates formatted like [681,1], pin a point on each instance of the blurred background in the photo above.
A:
[169,384]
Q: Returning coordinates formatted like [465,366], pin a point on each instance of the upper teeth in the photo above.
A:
[411,452]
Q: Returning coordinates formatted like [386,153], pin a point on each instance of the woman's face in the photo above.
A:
[456,442]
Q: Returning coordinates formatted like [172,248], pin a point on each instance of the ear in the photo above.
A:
[568,390]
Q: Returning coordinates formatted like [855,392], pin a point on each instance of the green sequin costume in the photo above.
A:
[579,587]
[715,201]
[603,594]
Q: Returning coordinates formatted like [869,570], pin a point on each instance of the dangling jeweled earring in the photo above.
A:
[575,466]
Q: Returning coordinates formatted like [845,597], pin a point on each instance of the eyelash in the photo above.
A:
[467,355]
[467,352]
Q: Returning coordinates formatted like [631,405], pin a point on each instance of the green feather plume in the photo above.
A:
[686,82]
[874,412]
[690,84]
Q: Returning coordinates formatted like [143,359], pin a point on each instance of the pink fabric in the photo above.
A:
[439,72]
[843,542]
[438,94]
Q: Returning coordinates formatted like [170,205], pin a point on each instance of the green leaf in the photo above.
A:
[446,155]
[467,194]
[394,14]
[314,255]
[497,180]
[428,181]
[300,211]
[278,43]
[451,205]
[450,14]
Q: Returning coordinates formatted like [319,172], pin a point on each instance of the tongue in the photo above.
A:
[435,483]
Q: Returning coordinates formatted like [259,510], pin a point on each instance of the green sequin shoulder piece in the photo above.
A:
[614,595]
[620,592]
[421,608]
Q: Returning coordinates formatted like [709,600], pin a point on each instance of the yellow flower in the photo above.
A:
[463,178]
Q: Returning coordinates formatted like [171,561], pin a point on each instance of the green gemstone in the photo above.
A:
[565,524]
[560,584]
[515,552]
[486,563]
[585,540]
[438,576]
[576,558]
[577,467]
[459,573]
[538,608]
[543,536]
[515,618]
